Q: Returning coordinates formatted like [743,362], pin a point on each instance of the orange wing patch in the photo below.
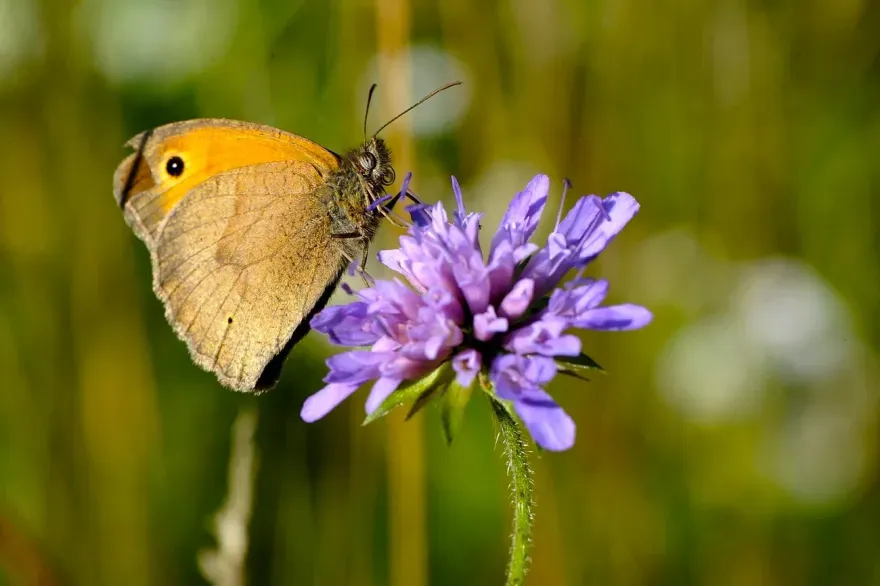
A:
[149,183]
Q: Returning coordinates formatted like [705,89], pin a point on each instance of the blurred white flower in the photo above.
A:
[780,352]
[790,314]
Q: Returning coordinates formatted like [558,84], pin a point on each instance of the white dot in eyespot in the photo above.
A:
[429,67]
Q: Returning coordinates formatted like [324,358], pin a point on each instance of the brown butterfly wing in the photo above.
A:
[242,254]
[241,262]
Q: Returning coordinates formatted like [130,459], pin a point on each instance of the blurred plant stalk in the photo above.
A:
[225,564]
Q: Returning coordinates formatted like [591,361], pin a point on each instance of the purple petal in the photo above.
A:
[354,367]
[582,217]
[466,365]
[514,375]
[517,301]
[379,201]
[539,369]
[577,297]
[403,366]
[584,232]
[391,297]
[437,342]
[488,324]
[507,378]
[460,213]
[386,344]
[426,275]
[549,424]
[322,402]
[394,259]
[346,325]
[523,214]
[419,213]
[430,336]
[404,185]
[471,227]
[475,286]
[443,302]
[543,337]
[520,253]
[330,316]
[500,271]
[380,391]
[614,318]
[547,266]
[557,246]
[590,295]
[619,208]
[566,345]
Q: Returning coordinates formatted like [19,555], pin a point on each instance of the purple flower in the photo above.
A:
[505,316]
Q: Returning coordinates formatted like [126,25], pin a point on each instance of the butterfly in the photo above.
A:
[249,230]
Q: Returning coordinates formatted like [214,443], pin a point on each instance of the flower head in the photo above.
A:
[504,314]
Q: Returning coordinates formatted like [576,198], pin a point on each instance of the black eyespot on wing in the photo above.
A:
[174,166]
[229,320]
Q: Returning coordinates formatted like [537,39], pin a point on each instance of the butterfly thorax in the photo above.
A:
[362,177]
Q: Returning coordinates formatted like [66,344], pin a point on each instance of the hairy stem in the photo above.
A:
[521,492]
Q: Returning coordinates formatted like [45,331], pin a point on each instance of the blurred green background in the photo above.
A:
[734,441]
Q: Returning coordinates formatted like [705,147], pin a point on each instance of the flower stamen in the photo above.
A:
[566,185]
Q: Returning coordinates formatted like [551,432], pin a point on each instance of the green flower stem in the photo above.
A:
[521,492]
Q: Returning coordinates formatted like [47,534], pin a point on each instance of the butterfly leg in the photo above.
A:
[361,269]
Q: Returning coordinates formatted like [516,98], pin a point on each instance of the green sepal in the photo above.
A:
[413,391]
[453,405]
[422,400]
[577,366]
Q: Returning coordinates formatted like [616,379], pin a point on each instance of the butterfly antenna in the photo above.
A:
[426,98]
[367,112]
